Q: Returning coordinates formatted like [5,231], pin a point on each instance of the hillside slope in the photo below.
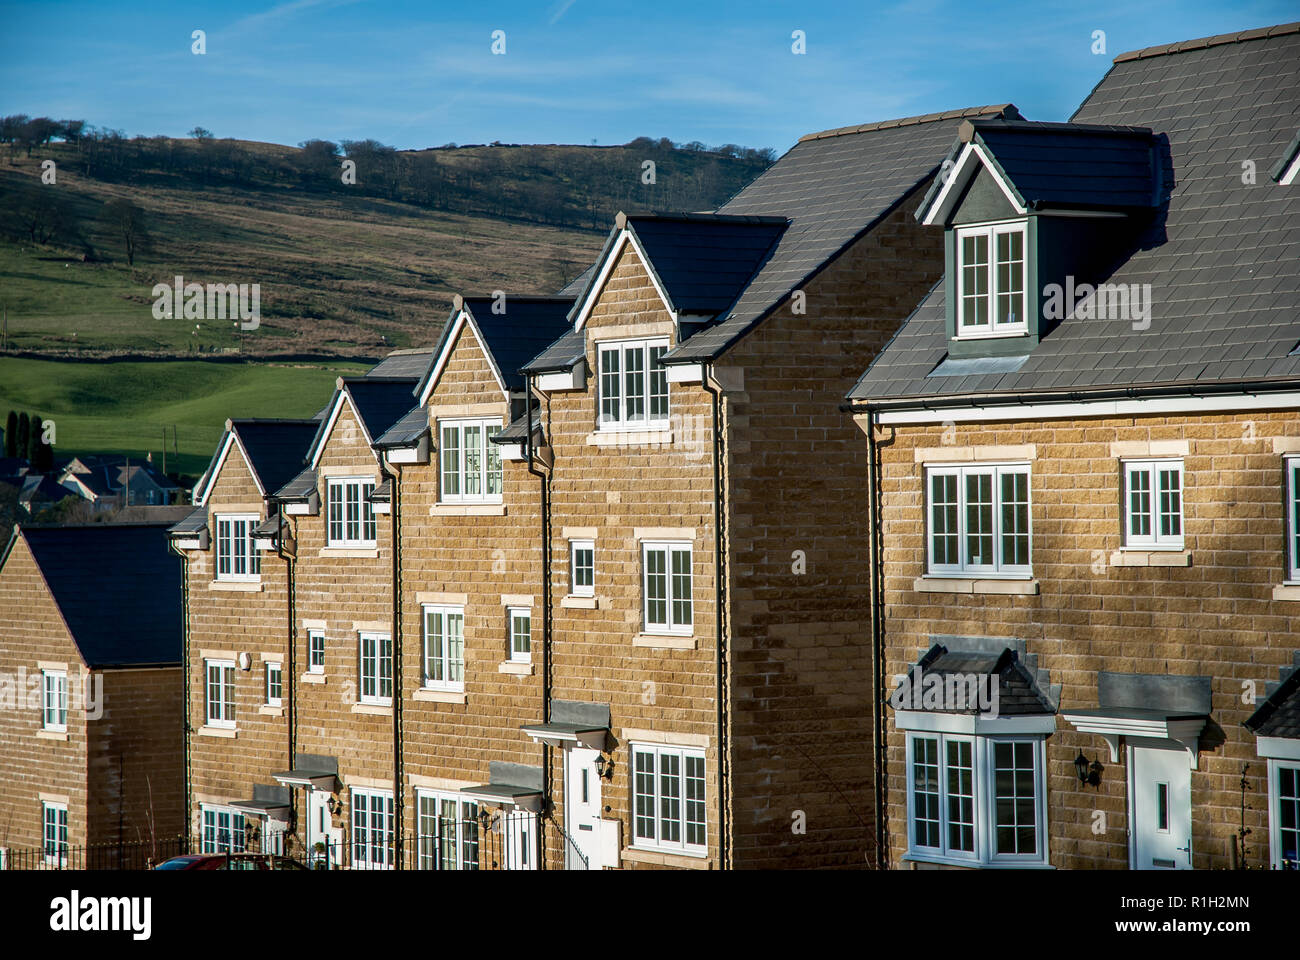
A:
[344,270]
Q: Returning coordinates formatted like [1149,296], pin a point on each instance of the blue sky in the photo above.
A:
[423,74]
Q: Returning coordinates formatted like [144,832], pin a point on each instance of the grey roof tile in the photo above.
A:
[1214,306]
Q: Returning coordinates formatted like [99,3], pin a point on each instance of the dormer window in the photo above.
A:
[991,280]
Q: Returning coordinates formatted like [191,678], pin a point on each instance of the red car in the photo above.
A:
[230,861]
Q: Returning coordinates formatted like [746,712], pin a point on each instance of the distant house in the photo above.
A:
[118,481]
[37,491]
[91,739]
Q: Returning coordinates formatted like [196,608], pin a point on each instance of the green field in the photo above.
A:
[123,407]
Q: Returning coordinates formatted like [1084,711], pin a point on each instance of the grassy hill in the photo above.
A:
[347,272]
[343,269]
[123,406]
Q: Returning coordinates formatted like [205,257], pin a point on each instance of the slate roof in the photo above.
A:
[123,570]
[275,448]
[302,486]
[516,431]
[702,260]
[1023,689]
[526,328]
[407,430]
[36,487]
[380,402]
[562,354]
[1071,165]
[403,363]
[1279,714]
[1224,274]
[832,187]
[195,522]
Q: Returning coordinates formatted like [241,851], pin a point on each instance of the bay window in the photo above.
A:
[977,799]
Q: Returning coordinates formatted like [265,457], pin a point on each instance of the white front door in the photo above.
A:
[582,807]
[1160,804]
[320,828]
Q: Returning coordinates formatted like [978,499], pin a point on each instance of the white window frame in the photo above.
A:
[369,852]
[612,394]
[671,597]
[514,635]
[431,849]
[448,664]
[353,490]
[54,833]
[984,804]
[313,636]
[1275,768]
[1151,469]
[659,752]
[1292,466]
[991,232]
[210,829]
[998,567]
[227,541]
[380,641]
[489,462]
[581,589]
[227,688]
[274,668]
[54,700]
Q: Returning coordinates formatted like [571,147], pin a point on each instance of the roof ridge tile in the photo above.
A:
[1200,43]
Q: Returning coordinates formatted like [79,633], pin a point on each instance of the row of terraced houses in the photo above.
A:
[652,574]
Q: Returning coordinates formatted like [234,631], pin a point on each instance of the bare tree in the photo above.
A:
[126,220]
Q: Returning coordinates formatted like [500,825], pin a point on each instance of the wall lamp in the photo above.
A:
[1089,773]
[604,768]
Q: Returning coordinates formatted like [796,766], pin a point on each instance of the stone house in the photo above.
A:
[1083,468]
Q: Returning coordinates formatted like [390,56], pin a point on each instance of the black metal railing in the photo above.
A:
[493,841]
[574,858]
[136,855]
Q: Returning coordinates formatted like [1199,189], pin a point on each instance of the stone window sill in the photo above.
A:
[235,586]
[467,510]
[373,709]
[1151,558]
[657,641]
[517,667]
[689,861]
[318,678]
[579,603]
[349,553]
[52,735]
[226,733]
[269,711]
[439,696]
[627,438]
[1287,591]
[1016,588]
